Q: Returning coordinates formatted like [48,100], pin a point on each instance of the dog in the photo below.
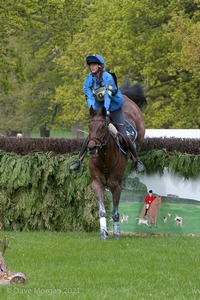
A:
[166,217]
[178,220]
[124,218]
[142,221]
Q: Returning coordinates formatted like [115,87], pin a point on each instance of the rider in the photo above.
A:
[101,90]
[148,200]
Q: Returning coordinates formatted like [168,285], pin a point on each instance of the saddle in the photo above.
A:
[118,137]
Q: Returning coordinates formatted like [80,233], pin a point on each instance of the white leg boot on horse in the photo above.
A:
[116,224]
[76,165]
[138,164]
[102,219]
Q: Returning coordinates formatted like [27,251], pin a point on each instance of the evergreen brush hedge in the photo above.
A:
[182,164]
[38,192]
[26,145]
[62,146]
[182,145]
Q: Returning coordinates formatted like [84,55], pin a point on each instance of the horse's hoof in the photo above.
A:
[116,235]
[103,234]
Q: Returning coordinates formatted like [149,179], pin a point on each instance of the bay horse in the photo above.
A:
[107,162]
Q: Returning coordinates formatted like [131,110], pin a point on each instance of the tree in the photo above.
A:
[138,39]
[47,42]
[49,24]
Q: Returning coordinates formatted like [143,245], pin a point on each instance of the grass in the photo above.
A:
[189,212]
[61,133]
[80,266]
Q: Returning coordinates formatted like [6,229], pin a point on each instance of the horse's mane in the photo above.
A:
[158,199]
[134,91]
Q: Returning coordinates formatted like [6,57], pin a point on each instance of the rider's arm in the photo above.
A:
[111,88]
[88,91]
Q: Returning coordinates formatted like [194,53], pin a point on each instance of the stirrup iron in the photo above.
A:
[76,165]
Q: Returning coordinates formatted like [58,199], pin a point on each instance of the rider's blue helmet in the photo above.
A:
[95,58]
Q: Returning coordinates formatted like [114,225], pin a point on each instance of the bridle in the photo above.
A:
[101,141]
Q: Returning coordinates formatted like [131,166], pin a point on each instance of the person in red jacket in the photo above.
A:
[149,199]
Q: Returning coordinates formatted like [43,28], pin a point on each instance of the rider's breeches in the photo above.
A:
[147,208]
[117,119]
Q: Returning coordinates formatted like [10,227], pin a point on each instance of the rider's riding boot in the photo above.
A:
[139,165]
[75,166]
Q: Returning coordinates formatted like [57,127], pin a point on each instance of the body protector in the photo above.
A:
[103,92]
[100,92]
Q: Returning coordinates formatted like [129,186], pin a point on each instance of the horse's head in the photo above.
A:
[98,130]
[157,201]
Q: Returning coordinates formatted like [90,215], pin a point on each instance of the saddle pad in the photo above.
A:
[131,130]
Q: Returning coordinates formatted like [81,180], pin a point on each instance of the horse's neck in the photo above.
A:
[156,202]
[108,150]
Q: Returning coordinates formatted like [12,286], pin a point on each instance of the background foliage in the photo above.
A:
[44,45]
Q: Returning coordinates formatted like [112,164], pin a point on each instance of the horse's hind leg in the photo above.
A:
[149,220]
[115,212]
[116,224]
[155,221]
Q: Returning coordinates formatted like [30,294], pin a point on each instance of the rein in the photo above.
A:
[100,142]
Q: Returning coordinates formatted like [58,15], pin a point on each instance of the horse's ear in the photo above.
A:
[104,111]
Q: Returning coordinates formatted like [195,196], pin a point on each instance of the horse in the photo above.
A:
[134,101]
[107,162]
[152,212]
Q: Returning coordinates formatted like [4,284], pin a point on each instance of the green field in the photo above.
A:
[60,133]
[189,212]
[81,266]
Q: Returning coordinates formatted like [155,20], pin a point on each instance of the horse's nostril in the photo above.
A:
[92,150]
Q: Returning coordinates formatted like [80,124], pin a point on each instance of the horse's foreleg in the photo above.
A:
[143,211]
[98,192]
[149,219]
[115,212]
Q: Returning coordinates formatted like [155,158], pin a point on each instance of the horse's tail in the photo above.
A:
[135,92]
